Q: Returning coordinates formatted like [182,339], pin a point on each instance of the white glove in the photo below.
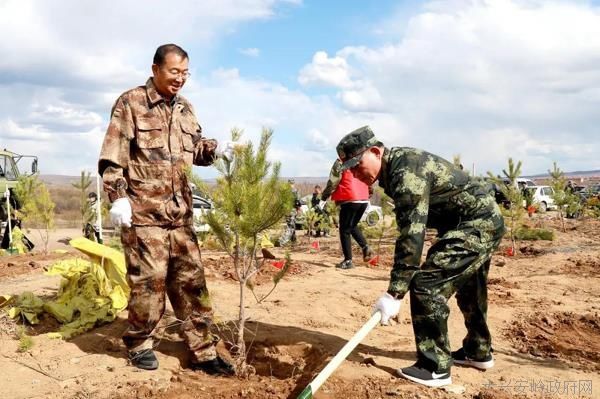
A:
[120,213]
[322,204]
[225,149]
[388,306]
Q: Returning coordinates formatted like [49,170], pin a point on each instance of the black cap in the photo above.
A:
[352,146]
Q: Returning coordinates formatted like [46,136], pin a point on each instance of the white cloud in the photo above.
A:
[65,115]
[326,71]
[463,76]
[63,65]
[486,80]
[363,98]
[250,52]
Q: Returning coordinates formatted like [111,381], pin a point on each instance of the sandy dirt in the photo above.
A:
[544,306]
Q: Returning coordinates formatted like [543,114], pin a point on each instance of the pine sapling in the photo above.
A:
[565,200]
[249,199]
[515,210]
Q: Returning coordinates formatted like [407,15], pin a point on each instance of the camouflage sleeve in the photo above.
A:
[204,152]
[335,176]
[114,155]
[204,149]
[411,198]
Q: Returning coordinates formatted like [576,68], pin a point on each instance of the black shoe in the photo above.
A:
[416,373]
[216,366]
[144,359]
[367,253]
[461,358]
[345,265]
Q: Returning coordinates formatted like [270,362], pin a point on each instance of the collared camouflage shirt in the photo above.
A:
[429,191]
[149,145]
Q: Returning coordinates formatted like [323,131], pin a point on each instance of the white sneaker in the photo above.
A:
[462,359]
[425,377]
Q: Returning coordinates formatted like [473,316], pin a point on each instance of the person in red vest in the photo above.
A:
[352,196]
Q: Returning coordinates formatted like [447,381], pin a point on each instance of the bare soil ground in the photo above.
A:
[544,306]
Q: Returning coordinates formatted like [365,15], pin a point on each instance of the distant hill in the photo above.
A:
[579,173]
[59,180]
[583,175]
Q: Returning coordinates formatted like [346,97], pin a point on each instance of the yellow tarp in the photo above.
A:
[112,260]
[93,291]
[265,242]
[27,306]
[17,240]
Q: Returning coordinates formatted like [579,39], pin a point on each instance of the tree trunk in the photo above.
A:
[242,320]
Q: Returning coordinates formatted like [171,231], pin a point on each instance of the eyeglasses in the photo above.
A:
[178,74]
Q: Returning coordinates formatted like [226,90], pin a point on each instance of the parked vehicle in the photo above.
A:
[373,214]
[9,177]
[201,206]
[542,197]
[588,192]
[521,181]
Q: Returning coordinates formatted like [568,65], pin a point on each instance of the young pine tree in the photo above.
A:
[37,207]
[83,186]
[565,200]
[388,224]
[514,210]
[249,199]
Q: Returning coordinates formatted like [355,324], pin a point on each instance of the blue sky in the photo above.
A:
[290,38]
[482,79]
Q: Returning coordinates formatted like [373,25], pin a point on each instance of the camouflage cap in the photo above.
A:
[352,146]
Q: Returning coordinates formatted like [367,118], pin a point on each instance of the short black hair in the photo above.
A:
[162,51]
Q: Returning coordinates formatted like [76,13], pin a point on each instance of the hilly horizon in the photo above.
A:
[66,179]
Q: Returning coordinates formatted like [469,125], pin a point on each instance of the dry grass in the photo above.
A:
[25,341]
[67,213]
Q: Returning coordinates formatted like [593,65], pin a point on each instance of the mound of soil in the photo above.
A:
[574,339]
[531,250]
[223,267]
[501,281]
[281,371]
[585,266]
[286,361]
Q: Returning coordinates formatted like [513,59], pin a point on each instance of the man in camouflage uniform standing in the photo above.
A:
[152,139]
[429,191]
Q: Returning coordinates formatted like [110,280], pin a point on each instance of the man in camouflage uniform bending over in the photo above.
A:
[152,139]
[429,191]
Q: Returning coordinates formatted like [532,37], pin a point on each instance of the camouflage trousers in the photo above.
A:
[457,263]
[167,260]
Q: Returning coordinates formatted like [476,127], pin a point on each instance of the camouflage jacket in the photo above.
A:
[335,176]
[429,191]
[148,147]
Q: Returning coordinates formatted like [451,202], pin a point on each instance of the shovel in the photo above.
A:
[310,390]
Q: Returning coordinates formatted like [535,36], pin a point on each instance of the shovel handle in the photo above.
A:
[334,363]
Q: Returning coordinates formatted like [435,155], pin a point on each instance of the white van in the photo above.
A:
[527,182]
[542,197]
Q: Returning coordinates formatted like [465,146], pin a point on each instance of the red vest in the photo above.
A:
[350,189]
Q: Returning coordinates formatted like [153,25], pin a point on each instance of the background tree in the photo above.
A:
[249,199]
[83,186]
[567,201]
[388,223]
[37,207]
[313,220]
[199,187]
[386,226]
[514,209]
